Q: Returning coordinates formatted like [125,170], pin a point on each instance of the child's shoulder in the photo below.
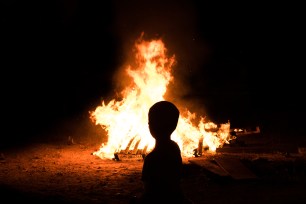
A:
[174,144]
[173,147]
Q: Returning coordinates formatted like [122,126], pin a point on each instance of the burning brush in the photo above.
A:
[125,120]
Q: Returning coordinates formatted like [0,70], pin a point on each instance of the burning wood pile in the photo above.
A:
[131,153]
[125,120]
[136,152]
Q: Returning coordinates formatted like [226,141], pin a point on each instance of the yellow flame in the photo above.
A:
[126,120]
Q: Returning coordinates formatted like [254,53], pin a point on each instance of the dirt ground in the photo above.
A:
[61,171]
[69,173]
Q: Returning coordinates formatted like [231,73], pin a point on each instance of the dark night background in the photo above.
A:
[240,59]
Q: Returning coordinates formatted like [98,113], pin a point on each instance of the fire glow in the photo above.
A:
[125,120]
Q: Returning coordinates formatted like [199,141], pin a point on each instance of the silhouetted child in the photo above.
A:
[162,168]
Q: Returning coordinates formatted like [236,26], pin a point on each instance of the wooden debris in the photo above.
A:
[70,141]
[259,149]
[134,151]
[225,167]
[209,165]
[235,168]
[126,151]
[131,154]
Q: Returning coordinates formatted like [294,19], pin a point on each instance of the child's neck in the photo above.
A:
[162,141]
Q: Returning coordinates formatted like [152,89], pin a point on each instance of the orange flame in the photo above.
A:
[126,120]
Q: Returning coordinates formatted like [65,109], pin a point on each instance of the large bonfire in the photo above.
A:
[125,120]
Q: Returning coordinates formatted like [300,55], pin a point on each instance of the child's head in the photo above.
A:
[163,118]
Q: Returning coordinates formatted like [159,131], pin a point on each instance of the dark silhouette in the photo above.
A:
[162,168]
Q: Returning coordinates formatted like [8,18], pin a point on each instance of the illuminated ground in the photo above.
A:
[69,173]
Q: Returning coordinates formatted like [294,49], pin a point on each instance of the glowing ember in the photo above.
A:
[125,120]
